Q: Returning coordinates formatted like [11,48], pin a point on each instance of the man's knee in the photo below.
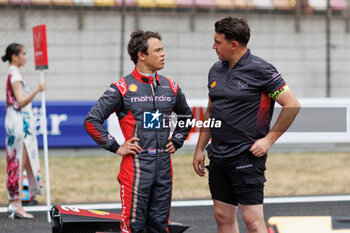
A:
[219,216]
[224,216]
[254,223]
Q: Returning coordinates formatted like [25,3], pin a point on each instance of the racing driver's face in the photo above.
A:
[155,57]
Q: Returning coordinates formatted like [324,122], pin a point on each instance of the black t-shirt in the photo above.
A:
[243,99]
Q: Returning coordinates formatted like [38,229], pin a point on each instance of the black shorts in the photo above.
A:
[239,179]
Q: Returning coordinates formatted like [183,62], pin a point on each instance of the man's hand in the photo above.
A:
[170,148]
[260,147]
[129,147]
[198,163]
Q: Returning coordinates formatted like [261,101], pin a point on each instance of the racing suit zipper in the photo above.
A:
[153,88]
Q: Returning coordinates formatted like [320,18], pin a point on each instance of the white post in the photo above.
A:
[45,147]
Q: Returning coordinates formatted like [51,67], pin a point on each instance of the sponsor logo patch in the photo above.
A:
[149,98]
[121,86]
[179,136]
[133,88]
[276,76]
[152,151]
[242,85]
[244,166]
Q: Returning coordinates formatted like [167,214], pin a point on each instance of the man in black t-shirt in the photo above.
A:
[242,91]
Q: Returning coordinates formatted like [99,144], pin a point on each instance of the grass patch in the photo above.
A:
[94,178]
[293,174]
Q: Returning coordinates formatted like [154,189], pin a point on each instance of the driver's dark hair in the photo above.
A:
[234,29]
[138,43]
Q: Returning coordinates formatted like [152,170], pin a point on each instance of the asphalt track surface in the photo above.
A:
[200,218]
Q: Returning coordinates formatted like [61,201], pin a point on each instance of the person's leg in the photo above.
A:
[253,216]
[30,176]
[248,179]
[136,179]
[18,202]
[160,200]
[223,195]
[34,184]
[32,167]
[226,217]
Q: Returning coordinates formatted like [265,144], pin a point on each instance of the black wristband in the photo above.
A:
[115,146]
[176,144]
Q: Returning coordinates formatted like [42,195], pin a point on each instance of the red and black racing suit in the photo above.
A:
[145,178]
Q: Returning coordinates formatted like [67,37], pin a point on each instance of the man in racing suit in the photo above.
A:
[143,102]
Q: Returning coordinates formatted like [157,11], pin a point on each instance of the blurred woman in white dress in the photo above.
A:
[21,142]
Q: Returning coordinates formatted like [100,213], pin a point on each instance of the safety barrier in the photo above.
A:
[321,120]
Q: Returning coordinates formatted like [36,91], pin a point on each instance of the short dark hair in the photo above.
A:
[234,29]
[11,49]
[138,43]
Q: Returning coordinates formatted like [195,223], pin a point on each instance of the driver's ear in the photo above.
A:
[141,56]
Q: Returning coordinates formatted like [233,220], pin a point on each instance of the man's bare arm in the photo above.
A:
[203,139]
[290,108]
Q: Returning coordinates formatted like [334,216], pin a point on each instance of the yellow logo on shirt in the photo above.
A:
[133,88]
[213,84]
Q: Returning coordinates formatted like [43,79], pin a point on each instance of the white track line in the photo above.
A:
[191,203]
